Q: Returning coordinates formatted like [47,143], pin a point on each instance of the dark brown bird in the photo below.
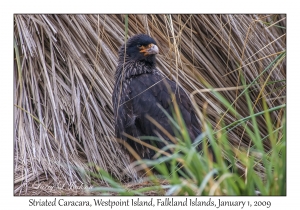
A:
[139,90]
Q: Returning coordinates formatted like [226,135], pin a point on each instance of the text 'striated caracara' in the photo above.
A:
[138,90]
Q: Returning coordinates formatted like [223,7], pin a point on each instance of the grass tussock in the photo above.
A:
[233,66]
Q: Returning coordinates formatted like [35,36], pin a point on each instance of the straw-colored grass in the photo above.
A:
[64,76]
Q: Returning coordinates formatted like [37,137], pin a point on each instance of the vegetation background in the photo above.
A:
[233,65]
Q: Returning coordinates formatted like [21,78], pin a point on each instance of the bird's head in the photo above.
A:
[141,48]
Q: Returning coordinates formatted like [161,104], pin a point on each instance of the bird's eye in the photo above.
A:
[139,45]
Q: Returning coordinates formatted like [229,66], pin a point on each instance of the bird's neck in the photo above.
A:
[131,69]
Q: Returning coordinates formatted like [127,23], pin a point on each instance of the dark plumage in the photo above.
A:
[138,89]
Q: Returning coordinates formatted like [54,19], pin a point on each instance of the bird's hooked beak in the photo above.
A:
[150,49]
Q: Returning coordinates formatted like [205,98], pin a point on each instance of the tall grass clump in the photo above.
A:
[232,65]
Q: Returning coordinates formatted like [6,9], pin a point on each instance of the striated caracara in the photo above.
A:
[138,90]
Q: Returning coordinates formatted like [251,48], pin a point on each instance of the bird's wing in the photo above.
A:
[148,90]
[121,110]
[139,100]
